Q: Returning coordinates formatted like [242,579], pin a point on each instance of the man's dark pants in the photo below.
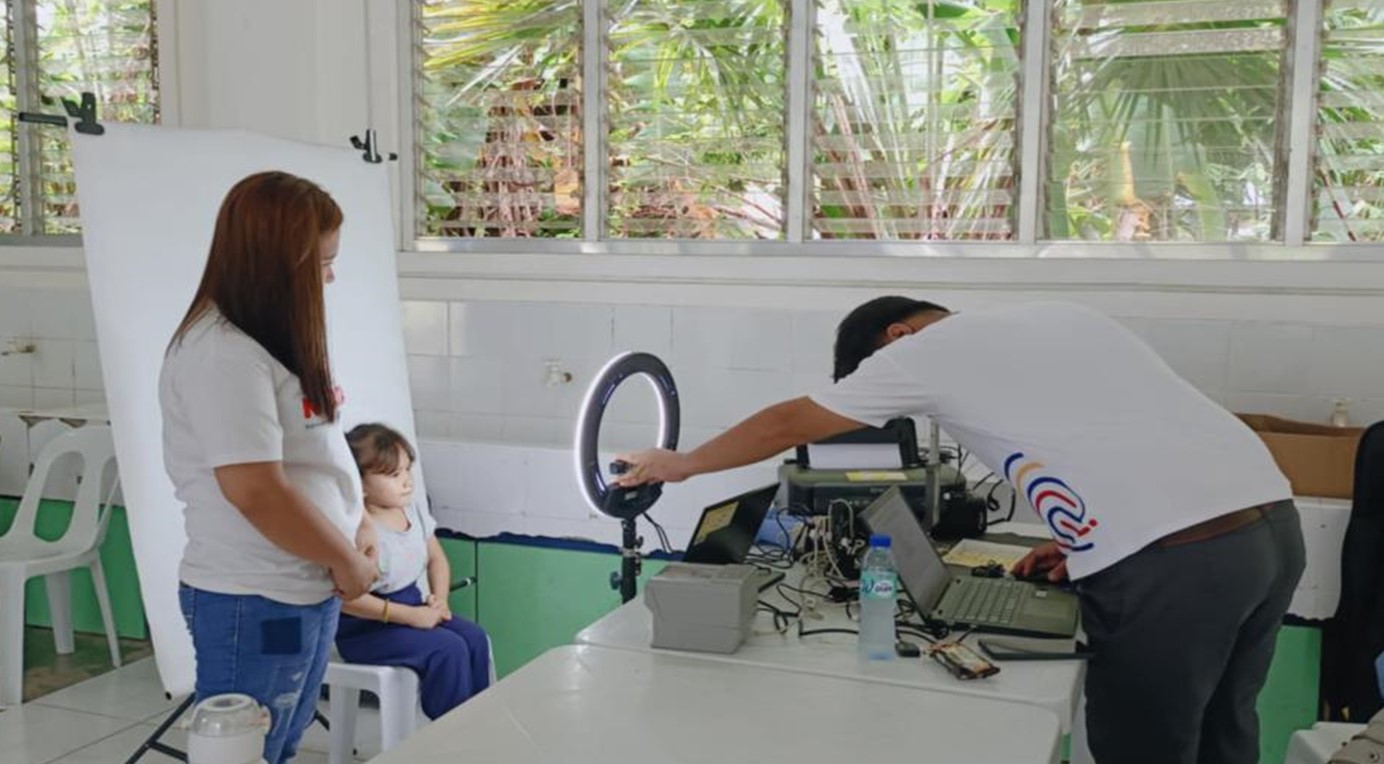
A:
[1183,636]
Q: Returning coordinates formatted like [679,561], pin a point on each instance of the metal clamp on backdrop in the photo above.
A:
[623,504]
[84,113]
[369,148]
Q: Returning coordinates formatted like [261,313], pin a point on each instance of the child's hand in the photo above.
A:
[440,604]
[423,617]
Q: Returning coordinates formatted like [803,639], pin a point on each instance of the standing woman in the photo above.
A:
[252,444]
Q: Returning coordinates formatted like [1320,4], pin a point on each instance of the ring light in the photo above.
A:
[616,502]
[623,504]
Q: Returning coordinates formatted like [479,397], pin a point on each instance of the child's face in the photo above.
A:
[390,490]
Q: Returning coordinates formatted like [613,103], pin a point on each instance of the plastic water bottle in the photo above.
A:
[878,591]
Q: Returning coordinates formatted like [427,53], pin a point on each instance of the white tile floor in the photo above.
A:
[103,720]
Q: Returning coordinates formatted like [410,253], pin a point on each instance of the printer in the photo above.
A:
[851,470]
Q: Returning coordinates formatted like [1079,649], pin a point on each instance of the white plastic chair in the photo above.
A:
[1318,744]
[397,690]
[401,713]
[24,555]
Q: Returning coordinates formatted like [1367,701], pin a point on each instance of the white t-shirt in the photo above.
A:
[404,554]
[227,401]
[1109,445]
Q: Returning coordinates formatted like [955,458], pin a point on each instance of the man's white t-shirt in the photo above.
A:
[227,401]
[1107,443]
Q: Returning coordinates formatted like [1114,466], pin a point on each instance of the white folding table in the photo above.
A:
[593,705]
[1053,685]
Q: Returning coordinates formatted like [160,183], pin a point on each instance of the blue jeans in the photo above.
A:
[275,653]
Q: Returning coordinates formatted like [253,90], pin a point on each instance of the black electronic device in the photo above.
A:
[823,489]
[1004,651]
[962,515]
[727,529]
[962,661]
[902,432]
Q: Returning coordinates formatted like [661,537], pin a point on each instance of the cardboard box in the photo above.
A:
[1319,460]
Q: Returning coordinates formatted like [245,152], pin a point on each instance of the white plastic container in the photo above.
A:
[227,729]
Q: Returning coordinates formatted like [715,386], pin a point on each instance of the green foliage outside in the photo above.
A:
[1159,129]
[107,47]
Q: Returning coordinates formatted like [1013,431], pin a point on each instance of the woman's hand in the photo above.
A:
[355,576]
[440,605]
[655,465]
[421,617]
[1046,558]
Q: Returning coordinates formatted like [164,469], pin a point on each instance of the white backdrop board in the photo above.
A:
[149,198]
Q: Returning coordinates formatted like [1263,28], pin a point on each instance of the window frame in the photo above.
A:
[1295,162]
[24,27]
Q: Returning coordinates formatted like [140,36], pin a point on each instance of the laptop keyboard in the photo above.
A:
[992,601]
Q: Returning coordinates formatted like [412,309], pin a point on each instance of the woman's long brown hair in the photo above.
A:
[264,275]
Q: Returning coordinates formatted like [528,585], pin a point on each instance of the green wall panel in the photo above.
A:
[461,553]
[117,556]
[532,599]
[1289,699]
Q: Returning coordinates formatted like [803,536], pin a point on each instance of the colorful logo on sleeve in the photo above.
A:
[1060,507]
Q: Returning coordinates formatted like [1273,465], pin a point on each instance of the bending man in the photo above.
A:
[1167,511]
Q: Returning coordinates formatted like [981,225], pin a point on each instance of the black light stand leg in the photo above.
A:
[153,744]
[630,562]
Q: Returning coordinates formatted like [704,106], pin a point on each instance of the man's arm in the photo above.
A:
[768,433]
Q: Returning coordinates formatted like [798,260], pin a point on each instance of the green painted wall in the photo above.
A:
[532,599]
[116,556]
[1289,699]
[461,553]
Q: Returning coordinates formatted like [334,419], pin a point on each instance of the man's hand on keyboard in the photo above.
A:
[1045,562]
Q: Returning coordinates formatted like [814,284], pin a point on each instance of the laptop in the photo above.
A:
[728,529]
[998,605]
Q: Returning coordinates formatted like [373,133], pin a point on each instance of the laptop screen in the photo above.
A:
[921,570]
[727,529]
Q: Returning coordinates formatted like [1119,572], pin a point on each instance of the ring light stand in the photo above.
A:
[623,504]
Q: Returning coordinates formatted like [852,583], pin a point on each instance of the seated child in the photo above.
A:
[395,625]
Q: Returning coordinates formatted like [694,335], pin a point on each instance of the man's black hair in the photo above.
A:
[861,332]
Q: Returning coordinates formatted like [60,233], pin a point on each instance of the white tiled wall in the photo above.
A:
[479,370]
[65,368]
[479,373]
[487,489]
[729,362]
[1323,532]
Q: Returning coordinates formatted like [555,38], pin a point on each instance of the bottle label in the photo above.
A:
[877,585]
